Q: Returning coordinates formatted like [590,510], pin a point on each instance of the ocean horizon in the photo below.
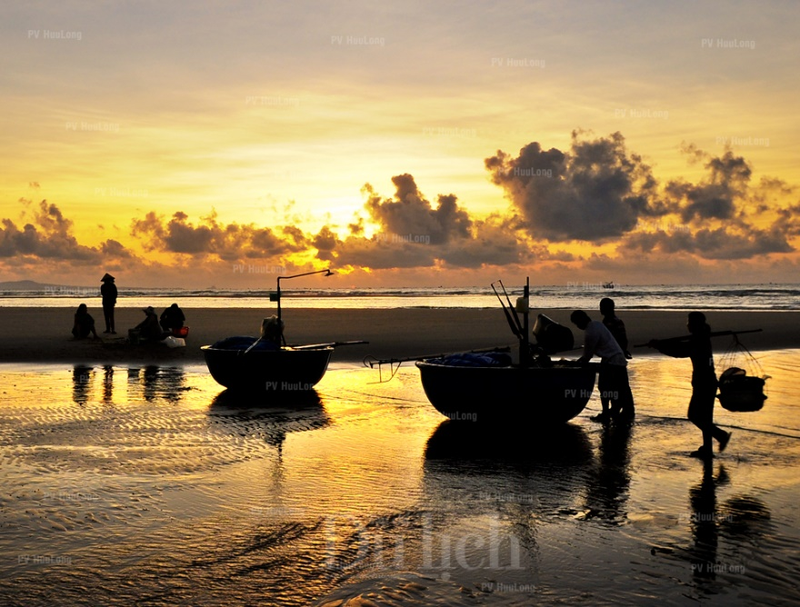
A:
[750,297]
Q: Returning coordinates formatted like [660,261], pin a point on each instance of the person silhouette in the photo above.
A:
[617,329]
[613,377]
[172,318]
[109,294]
[84,323]
[704,381]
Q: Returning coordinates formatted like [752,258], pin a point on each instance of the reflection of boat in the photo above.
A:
[565,444]
[267,364]
[535,390]
[545,395]
[475,471]
[240,400]
[243,414]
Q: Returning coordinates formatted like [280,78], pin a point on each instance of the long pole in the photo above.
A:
[524,344]
[712,334]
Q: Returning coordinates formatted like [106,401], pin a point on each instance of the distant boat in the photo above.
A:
[262,365]
[608,285]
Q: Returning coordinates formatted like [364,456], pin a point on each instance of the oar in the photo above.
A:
[330,344]
[510,320]
[253,345]
[513,309]
[712,334]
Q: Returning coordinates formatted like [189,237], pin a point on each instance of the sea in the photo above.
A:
[569,296]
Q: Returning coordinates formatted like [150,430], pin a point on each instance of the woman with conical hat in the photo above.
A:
[109,294]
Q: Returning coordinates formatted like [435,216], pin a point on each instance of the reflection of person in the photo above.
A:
[617,328]
[608,489]
[84,323]
[704,380]
[109,294]
[172,318]
[613,380]
[149,329]
[81,383]
[704,522]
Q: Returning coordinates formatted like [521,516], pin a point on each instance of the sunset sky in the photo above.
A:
[440,143]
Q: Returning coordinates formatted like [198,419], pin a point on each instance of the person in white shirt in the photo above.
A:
[613,381]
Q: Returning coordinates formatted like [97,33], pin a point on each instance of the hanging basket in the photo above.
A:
[740,392]
[741,388]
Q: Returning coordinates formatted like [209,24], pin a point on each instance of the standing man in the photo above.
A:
[108,291]
[613,381]
[617,328]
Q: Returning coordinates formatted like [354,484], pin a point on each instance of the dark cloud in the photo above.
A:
[717,195]
[115,249]
[415,234]
[593,192]
[49,236]
[409,213]
[494,243]
[229,242]
[379,254]
[325,242]
[789,219]
[719,243]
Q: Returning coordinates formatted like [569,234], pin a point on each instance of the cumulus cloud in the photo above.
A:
[716,196]
[229,242]
[599,192]
[413,232]
[49,236]
[718,243]
[410,213]
[595,191]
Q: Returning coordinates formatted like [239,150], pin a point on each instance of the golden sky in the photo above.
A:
[639,142]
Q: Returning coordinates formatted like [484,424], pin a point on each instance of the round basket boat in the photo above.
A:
[537,395]
[280,370]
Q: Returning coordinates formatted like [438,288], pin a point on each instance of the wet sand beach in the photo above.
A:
[43,334]
[150,484]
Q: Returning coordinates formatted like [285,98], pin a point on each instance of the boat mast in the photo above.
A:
[524,343]
[277,295]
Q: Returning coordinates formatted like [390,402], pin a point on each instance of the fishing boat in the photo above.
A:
[535,390]
[284,369]
[267,364]
[489,387]
[540,395]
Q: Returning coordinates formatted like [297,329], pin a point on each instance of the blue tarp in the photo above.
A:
[475,359]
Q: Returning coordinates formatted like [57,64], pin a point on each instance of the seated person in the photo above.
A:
[172,318]
[84,323]
[272,331]
[149,329]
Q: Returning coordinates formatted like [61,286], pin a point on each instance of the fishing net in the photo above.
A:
[743,381]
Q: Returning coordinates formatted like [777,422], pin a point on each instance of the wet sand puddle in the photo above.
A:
[154,486]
